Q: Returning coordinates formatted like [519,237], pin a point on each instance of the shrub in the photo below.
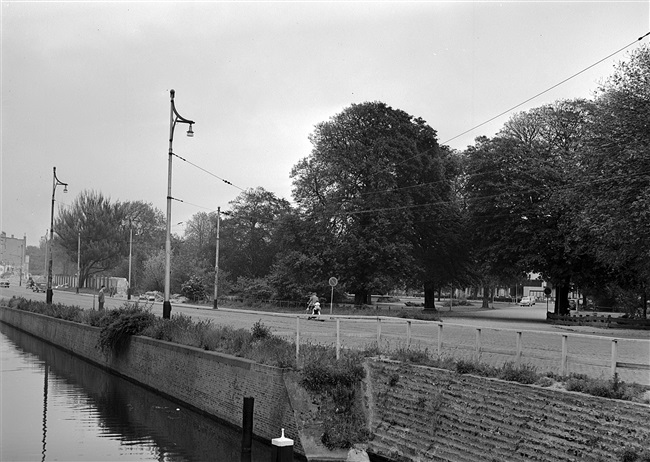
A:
[54,310]
[523,373]
[193,288]
[170,330]
[260,331]
[412,355]
[613,388]
[274,351]
[337,384]
[476,368]
[119,325]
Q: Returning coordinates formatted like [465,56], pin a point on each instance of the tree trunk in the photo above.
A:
[429,296]
[362,297]
[562,306]
[644,300]
[486,298]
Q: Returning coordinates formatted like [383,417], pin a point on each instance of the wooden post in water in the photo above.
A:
[247,426]
[282,450]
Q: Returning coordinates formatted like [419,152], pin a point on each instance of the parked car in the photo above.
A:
[527,301]
[4,282]
[152,296]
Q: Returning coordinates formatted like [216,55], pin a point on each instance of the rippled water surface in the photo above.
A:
[55,406]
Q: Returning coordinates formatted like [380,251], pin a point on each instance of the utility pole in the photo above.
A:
[216,264]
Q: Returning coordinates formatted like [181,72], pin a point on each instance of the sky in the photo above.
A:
[86,87]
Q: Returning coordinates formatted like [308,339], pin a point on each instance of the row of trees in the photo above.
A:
[562,190]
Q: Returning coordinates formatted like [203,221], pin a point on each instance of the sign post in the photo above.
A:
[547,292]
[333,281]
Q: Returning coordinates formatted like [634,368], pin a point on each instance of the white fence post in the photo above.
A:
[338,338]
[565,349]
[408,334]
[297,339]
[439,339]
[478,344]
[378,331]
[518,360]
[614,356]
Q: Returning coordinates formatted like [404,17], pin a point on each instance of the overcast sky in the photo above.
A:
[85,86]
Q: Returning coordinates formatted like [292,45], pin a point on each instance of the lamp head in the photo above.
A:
[65,188]
[190,133]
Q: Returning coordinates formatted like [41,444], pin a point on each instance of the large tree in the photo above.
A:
[145,228]
[376,194]
[520,195]
[98,225]
[614,196]
[249,239]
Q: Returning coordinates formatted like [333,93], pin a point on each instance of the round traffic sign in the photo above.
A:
[333,281]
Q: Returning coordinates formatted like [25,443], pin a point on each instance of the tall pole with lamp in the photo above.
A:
[128,291]
[55,182]
[216,264]
[174,118]
[78,260]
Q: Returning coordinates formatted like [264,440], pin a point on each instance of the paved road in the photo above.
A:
[589,349]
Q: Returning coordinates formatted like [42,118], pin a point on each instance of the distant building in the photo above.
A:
[13,263]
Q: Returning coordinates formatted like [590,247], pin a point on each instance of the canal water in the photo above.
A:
[57,407]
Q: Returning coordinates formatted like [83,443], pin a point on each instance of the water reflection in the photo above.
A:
[85,413]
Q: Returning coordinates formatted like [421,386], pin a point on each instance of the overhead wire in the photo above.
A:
[520,104]
[208,172]
[439,144]
[567,188]
[548,89]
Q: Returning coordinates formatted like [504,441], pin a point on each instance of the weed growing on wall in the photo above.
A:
[612,388]
[336,383]
[117,327]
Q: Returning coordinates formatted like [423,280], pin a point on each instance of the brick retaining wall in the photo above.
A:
[213,383]
[422,414]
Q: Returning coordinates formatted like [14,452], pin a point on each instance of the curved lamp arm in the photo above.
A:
[176,118]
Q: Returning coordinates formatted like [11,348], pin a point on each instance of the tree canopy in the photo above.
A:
[99,226]
[374,188]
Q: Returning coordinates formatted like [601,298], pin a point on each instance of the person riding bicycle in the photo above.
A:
[316,310]
[313,299]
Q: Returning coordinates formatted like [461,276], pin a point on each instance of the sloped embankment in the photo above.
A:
[420,413]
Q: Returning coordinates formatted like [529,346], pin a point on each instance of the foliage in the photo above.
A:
[145,226]
[119,325]
[296,273]
[336,382]
[55,310]
[260,331]
[254,289]
[249,234]
[614,198]
[194,288]
[153,274]
[523,373]
[374,174]
[613,388]
[97,225]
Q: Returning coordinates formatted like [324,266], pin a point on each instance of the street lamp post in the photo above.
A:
[78,259]
[55,182]
[174,118]
[128,291]
[216,264]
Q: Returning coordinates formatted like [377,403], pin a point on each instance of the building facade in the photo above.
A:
[13,261]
